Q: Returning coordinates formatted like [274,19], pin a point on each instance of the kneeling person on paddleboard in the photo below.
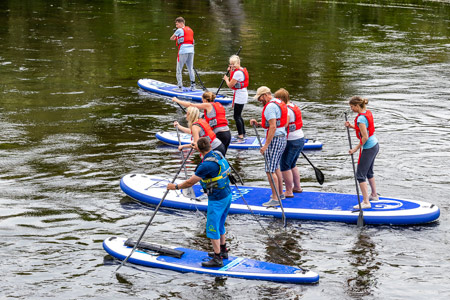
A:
[213,173]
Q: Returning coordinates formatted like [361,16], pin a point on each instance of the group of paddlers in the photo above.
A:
[284,141]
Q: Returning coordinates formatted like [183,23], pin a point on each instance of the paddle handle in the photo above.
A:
[228,72]
[154,213]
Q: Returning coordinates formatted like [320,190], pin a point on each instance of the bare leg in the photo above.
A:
[287,177]
[274,189]
[296,178]
[222,239]
[373,187]
[216,245]
[279,181]
[364,192]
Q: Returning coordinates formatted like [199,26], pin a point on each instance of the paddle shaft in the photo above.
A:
[154,213]
[181,152]
[228,72]
[199,79]
[181,107]
[271,179]
[360,221]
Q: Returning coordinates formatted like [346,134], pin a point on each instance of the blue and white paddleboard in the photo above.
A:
[191,261]
[167,89]
[316,206]
[251,142]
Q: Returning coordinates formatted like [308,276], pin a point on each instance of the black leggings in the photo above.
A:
[225,138]
[238,119]
[221,149]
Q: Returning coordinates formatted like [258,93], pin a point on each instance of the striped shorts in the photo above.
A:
[274,152]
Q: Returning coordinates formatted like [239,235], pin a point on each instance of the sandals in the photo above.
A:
[297,191]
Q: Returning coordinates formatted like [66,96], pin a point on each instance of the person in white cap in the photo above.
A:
[274,120]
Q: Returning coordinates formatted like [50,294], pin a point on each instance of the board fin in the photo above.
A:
[157,248]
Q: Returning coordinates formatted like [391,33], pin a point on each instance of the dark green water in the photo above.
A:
[73,121]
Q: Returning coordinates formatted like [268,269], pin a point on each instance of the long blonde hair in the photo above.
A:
[192,115]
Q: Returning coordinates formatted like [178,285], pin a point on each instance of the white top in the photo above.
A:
[240,95]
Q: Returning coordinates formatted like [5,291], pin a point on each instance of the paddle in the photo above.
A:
[189,191]
[201,82]
[154,213]
[360,221]
[271,178]
[228,72]
[319,175]
[181,107]
[239,176]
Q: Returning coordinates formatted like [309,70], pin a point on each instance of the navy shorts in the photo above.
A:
[291,153]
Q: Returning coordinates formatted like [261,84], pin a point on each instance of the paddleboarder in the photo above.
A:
[198,127]
[238,81]
[184,38]
[368,149]
[294,146]
[274,120]
[213,173]
[214,114]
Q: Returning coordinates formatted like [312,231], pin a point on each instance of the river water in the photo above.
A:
[73,121]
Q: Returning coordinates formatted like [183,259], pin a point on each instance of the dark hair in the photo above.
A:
[209,96]
[361,102]
[282,94]
[180,20]
[203,144]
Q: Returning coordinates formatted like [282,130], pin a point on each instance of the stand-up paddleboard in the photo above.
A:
[167,89]
[190,260]
[316,206]
[250,142]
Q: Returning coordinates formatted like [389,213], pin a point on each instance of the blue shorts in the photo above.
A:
[216,215]
[291,153]
[273,153]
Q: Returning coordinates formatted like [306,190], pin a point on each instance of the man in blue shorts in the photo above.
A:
[213,173]
[274,120]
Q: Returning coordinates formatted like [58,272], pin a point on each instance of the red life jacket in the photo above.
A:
[370,129]
[207,129]
[298,123]
[220,119]
[281,122]
[188,39]
[240,84]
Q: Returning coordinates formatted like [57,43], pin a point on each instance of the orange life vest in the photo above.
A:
[298,123]
[220,119]
[206,129]
[281,122]
[370,129]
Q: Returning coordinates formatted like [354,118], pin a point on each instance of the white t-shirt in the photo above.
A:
[240,95]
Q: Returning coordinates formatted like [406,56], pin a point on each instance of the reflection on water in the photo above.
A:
[363,258]
[73,121]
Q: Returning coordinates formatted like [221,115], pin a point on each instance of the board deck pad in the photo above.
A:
[167,89]
[251,142]
[191,261]
[317,206]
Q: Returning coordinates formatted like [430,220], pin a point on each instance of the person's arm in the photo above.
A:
[195,133]
[186,184]
[348,124]
[182,128]
[256,123]
[207,106]
[364,138]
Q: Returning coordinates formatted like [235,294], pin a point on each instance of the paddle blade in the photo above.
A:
[189,193]
[360,222]
[319,176]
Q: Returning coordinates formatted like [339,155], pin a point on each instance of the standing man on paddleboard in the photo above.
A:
[368,149]
[184,37]
[213,173]
[274,120]
[238,81]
